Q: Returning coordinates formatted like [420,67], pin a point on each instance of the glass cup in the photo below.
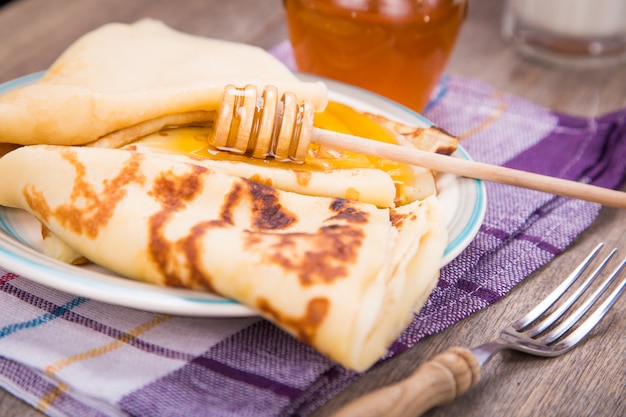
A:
[568,32]
[396,48]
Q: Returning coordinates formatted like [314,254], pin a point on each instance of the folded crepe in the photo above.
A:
[340,275]
[354,177]
[142,75]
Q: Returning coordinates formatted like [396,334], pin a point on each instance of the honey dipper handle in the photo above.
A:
[436,382]
[471,169]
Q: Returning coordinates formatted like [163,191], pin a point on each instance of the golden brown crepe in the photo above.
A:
[120,76]
[342,276]
[360,184]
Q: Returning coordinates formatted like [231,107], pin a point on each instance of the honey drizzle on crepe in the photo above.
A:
[192,141]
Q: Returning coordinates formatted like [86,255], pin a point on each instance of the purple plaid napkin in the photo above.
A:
[72,356]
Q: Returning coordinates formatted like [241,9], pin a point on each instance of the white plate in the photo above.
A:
[21,248]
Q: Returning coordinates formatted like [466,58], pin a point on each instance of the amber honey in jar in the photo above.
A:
[396,48]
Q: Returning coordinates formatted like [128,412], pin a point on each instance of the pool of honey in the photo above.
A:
[337,117]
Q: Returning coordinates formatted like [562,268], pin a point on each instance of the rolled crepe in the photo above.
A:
[366,181]
[342,276]
[370,185]
[120,76]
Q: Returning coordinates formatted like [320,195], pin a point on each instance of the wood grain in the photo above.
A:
[587,381]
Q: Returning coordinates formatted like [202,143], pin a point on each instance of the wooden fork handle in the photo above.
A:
[436,382]
[472,169]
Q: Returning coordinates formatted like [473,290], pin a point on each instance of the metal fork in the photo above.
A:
[454,371]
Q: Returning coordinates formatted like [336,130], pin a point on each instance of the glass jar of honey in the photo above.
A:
[396,48]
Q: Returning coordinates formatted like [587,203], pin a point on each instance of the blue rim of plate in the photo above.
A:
[475,219]
[21,258]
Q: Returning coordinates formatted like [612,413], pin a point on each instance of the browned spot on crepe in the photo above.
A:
[346,211]
[305,326]
[192,249]
[88,210]
[267,212]
[331,249]
[230,202]
[173,192]
[261,180]
[37,202]
[397,219]
[303,177]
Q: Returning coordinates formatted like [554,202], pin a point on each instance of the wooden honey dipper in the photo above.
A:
[264,126]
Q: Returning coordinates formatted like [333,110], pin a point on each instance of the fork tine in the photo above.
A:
[563,307]
[547,302]
[585,328]
[571,320]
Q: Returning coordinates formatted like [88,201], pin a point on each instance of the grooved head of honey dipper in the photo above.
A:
[303,133]
[231,131]
[263,127]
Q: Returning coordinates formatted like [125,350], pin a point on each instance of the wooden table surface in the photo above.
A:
[589,380]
